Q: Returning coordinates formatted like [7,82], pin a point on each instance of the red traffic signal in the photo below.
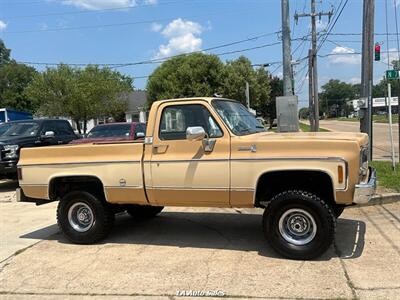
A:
[377,52]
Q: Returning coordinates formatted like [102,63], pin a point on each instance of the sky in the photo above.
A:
[147,31]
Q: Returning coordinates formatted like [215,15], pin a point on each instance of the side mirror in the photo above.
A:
[195,133]
[48,135]
[140,135]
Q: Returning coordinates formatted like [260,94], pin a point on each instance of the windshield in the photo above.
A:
[235,115]
[19,129]
[119,130]
[4,127]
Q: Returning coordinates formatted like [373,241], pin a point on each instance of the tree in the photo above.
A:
[14,78]
[334,95]
[186,76]
[4,53]
[304,113]
[80,94]
[236,74]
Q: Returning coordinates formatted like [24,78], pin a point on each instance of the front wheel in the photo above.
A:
[84,218]
[299,225]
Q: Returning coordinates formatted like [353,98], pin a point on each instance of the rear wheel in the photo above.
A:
[141,212]
[299,225]
[84,218]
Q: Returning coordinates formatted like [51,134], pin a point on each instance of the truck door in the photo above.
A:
[184,172]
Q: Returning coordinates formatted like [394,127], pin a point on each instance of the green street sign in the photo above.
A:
[392,74]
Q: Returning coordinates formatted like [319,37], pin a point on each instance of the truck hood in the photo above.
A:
[16,140]
[360,138]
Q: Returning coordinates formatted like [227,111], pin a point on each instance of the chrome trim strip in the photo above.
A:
[188,188]
[245,159]
[125,186]
[82,163]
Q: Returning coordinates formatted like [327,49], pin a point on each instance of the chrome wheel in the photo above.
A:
[297,226]
[80,217]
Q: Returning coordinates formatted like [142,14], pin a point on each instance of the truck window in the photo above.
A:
[63,128]
[175,119]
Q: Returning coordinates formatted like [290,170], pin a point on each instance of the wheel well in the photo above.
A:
[60,186]
[275,182]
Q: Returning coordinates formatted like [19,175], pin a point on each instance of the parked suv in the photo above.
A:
[29,133]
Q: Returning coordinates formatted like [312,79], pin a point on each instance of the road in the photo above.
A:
[221,251]
[381,144]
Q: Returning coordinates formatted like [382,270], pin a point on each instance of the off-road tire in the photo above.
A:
[102,214]
[317,208]
[143,212]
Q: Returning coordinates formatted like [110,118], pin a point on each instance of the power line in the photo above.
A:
[159,60]
[111,9]
[117,24]
[333,25]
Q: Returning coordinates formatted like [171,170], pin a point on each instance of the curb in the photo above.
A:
[380,199]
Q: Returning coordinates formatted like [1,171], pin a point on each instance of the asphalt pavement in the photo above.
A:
[381,136]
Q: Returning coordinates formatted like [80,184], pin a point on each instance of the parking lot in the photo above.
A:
[187,251]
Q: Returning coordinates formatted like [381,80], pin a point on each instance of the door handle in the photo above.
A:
[160,149]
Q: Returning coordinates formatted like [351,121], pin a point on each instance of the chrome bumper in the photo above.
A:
[365,190]
[20,195]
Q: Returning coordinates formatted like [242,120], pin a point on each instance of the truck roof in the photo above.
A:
[208,99]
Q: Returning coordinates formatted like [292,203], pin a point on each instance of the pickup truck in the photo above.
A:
[205,152]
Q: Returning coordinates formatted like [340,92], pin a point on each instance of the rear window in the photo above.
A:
[118,130]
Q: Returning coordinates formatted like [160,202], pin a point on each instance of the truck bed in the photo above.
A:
[116,165]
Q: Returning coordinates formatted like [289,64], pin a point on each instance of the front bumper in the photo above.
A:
[365,190]
[8,169]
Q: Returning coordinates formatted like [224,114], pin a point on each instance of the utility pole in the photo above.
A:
[313,73]
[247,92]
[286,50]
[310,91]
[367,71]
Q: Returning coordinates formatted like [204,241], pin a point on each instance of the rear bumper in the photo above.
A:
[365,190]
[21,197]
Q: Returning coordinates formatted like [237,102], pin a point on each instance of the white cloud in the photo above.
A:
[343,55]
[100,4]
[150,2]
[183,37]
[354,80]
[156,27]
[3,25]
[180,27]
[392,55]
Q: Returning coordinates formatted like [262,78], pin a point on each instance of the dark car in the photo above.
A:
[29,133]
[111,132]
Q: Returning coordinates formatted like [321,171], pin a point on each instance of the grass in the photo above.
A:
[387,178]
[307,128]
[385,119]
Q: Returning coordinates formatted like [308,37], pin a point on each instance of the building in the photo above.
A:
[379,105]
[136,107]
[136,111]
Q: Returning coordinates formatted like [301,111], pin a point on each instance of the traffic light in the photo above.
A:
[377,52]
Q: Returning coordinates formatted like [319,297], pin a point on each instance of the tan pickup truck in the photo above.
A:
[211,153]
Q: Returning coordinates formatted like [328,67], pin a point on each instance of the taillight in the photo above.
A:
[19,173]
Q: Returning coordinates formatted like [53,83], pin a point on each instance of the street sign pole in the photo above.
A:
[390,125]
